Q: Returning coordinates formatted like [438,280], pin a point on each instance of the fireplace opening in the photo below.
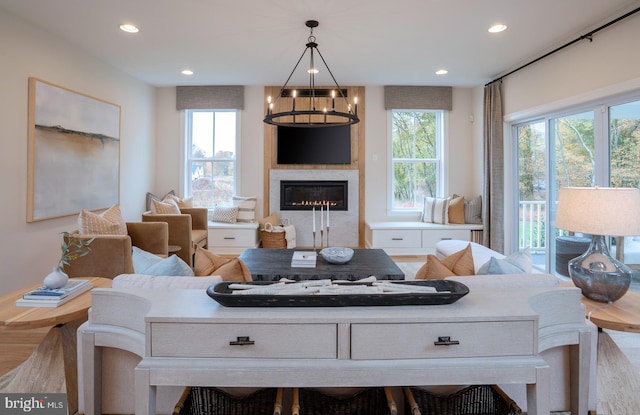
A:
[305,194]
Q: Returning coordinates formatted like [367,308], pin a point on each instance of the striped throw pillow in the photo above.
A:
[109,222]
[246,208]
[436,210]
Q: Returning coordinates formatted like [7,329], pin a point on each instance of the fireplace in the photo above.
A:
[305,194]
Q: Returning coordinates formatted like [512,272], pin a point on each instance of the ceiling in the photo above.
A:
[364,42]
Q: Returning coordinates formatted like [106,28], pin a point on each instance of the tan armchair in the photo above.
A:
[111,255]
[187,230]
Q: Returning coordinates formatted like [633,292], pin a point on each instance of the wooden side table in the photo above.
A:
[622,315]
[58,346]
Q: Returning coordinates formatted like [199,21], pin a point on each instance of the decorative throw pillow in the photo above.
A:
[182,203]
[225,214]
[150,264]
[109,222]
[458,263]
[151,196]
[166,207]
[473,210]
[456,209]
[436,210]
[517,263]
[230,269]
[246,208]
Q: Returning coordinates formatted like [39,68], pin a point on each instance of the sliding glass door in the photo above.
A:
[595,146]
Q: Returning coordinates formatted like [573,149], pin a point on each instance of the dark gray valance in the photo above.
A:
[418,97]
[210,97]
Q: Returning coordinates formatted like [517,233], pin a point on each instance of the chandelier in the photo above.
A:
[314,108]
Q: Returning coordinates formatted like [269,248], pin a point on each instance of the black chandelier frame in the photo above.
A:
[303,118]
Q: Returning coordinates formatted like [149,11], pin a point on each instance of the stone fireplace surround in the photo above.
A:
[344,224]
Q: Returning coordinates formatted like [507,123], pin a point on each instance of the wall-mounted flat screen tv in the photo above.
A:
[323,145]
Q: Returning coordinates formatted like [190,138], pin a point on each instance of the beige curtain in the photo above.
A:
[493,199]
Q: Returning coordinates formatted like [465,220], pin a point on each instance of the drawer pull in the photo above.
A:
[397,239]
[445,239]
[241,341]
[445,341]
[229,237]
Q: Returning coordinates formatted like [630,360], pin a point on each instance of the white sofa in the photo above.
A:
[557,354]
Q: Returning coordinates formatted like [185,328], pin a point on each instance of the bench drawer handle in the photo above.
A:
[229,237]
[397,239]
[445,341]
[241,341]
[445,239]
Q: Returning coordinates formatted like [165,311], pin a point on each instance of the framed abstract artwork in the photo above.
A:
[73,152]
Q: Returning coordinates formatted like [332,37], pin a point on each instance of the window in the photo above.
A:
[593,145]
[416,157]
[211,167]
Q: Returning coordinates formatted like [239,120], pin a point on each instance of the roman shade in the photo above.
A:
[210,97]
[418,97]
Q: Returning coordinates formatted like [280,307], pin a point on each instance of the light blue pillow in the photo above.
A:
[517,263]
[149,264]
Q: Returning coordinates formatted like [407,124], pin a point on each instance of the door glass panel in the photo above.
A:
[624,156]
[532,190]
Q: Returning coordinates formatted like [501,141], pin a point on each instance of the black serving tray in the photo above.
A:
[223,295]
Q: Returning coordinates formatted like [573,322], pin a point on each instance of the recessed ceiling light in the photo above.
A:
[129,28]
[442,72]
[187,72]
[497,28]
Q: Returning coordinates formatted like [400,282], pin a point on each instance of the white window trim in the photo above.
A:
[184,149]
[442,165]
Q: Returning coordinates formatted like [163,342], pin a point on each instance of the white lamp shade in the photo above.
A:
[599,210]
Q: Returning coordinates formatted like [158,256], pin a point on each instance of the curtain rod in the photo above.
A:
[588,36]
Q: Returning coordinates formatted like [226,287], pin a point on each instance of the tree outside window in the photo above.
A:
[211,161]
[416,142]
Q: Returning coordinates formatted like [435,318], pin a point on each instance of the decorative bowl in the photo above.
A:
[337,255]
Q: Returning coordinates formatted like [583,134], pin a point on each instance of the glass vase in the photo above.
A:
[600,276]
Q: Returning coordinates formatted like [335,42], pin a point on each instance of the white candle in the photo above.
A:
[321,219]
[328,204]
[314,218]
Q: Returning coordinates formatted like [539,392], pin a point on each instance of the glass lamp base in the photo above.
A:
[600,276]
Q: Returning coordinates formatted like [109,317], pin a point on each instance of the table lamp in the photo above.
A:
[599,211]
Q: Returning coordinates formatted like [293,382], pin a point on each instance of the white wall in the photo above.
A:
[28,251]
[462,168]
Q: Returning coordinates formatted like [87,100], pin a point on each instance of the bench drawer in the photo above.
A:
[433,236]
[233,237]
[400,238]
[273,341]
[417,340]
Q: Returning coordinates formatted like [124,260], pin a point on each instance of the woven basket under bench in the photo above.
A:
[213,401]
[472,400]
[273,237]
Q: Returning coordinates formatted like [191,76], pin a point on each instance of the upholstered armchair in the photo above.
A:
[186,230]
[111,255]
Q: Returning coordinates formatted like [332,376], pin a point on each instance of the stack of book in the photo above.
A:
[303,259]
[53,297]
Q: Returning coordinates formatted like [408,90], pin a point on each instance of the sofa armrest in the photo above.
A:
[180,226]
[199,216]
[109,256]
[150,236]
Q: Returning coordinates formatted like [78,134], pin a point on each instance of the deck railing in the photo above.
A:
[532,225]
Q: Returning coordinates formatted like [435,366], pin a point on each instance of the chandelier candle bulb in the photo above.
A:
[355,106]
[333,100]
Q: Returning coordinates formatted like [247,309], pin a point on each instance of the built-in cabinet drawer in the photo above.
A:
[442,340]
[262,341]
[397,238]
[232,237]
[432,236]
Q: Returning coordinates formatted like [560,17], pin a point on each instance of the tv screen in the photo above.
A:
[323,145]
